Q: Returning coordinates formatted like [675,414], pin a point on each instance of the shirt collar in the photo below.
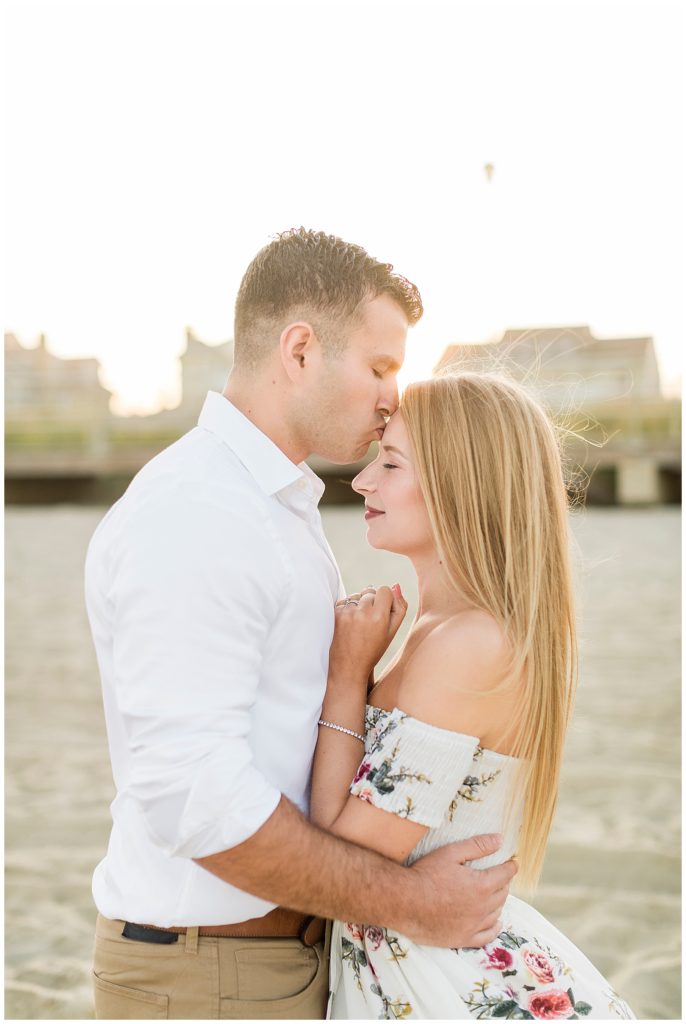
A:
[265,461]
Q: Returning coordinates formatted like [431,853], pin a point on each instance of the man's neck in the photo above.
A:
[260,401]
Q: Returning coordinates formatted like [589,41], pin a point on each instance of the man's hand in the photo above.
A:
[438,901]
[463,905]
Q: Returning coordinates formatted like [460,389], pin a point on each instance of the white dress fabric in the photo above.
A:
[448,782]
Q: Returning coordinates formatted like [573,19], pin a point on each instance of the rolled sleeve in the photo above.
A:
[196,589]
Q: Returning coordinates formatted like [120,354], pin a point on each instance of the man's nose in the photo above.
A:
[388,402]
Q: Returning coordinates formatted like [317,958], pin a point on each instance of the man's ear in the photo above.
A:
[298,345]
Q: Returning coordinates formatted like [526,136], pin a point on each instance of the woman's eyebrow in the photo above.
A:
[392,448]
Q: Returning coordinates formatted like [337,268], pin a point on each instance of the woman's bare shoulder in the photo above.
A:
[471,645]
[448,679]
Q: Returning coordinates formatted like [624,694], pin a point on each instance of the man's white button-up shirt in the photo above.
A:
[210,590]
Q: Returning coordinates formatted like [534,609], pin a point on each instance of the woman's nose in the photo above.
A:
[363,482]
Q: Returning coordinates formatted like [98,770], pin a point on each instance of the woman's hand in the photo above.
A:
[365,625]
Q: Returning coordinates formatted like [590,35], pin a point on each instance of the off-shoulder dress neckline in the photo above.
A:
[451,732]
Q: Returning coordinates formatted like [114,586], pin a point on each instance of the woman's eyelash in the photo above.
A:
[389,465]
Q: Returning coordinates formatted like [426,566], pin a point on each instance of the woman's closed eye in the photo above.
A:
[389,465]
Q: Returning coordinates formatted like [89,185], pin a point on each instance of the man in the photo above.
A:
[211,590]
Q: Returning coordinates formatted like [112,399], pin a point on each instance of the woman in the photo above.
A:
[464,731]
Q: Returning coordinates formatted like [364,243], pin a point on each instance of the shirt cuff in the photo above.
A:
[213,821]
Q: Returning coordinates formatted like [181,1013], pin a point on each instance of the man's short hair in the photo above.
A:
[311,276]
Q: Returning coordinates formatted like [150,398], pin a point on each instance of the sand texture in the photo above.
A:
[612,877]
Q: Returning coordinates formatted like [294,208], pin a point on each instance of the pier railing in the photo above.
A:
[627,451]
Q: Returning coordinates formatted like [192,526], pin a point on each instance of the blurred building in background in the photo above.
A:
[62,442]
[57,422]
[42,387]
[203,368]
[566,364]
[623,438]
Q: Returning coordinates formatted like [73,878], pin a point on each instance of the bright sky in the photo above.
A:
[153,148]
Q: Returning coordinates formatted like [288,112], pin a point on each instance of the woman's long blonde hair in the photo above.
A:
[490,469]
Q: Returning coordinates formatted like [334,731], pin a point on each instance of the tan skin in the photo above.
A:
[290,860]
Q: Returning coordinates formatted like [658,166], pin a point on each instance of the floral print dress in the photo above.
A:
[448,782]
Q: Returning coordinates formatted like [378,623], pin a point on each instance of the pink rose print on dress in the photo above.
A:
[362,771]
[498,959]
[550,1005]
[539,965]
[366,795]
[355,931]
[375,936]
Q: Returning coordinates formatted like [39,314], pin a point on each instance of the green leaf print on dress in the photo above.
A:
[456,788]
[378,729]
[385,778]
[539,988]
[486,1002]
[354,957]
[394,1009]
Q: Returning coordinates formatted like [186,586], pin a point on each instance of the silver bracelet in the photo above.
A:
[340,728]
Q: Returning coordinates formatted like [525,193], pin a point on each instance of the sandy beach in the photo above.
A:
[612,877]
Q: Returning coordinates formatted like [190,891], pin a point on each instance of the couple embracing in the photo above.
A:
[293,838]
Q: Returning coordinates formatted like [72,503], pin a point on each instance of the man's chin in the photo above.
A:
[348,458]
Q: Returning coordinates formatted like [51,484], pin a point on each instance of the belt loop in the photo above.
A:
[327,940]
[192,940]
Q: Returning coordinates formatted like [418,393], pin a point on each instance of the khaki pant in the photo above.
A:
[208,979]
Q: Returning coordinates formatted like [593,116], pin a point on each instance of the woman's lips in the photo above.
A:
[372,513]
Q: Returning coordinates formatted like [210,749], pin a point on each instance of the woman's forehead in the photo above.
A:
[396,434]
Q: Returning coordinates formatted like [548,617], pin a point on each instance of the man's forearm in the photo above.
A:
[295,864]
